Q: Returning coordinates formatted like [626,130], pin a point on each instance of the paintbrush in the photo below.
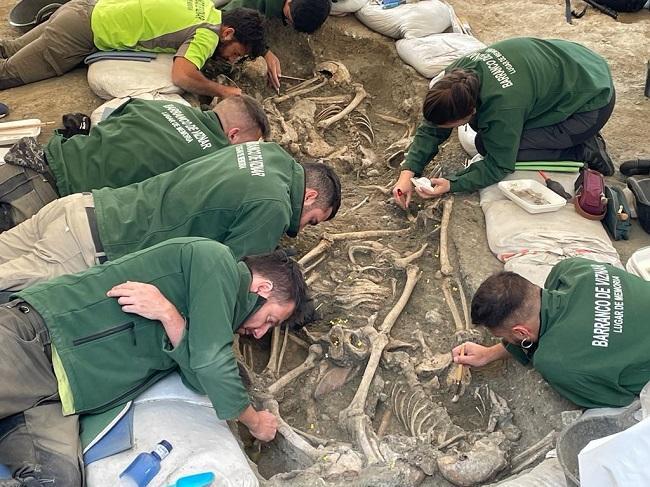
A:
[458,380]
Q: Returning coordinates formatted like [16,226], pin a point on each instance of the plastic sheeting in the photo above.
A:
[406,21]
[201,442]
[531,245]
[119,79]
[431,54]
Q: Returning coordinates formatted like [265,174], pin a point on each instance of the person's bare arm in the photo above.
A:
[262,424]
[477,355]
[146,300]
[185,75]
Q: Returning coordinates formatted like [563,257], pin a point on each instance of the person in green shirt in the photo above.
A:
[245,196]
[139,140]
[303,15]
[586,332]
[528,99]
[85,343]
[194,30]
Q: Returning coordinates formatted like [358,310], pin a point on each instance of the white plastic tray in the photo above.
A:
[532,196]
[12,132]
[639,263]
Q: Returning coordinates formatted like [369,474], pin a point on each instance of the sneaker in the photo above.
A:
[4,110]
[593,151]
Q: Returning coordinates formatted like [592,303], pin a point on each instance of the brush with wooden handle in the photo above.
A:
[458,380]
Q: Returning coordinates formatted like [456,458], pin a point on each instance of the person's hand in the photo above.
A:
[274,71]
[265,427]
[142,299]
[403,190]
[477,355]
[228,91]
[440,187]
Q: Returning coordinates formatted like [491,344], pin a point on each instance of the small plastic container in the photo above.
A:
[531,195]
[639,263]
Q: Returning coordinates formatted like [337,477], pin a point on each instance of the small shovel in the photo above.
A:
[555,186]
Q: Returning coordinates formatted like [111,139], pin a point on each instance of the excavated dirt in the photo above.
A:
[396,90]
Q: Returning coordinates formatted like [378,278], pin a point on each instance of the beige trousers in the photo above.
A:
[55,241]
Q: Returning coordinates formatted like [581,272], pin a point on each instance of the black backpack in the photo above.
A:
[623,5]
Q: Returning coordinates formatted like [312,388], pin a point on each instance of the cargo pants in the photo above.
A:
[37,442]
[50,49]
[57,240]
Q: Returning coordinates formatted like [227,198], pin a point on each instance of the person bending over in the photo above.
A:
[245,196]
[303,15]
[586,332]
[194,31]
[528,99]
[139,140]
[85,343]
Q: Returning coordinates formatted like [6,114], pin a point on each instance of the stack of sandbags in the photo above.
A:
[408,21]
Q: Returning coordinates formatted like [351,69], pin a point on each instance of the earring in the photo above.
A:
[526,343]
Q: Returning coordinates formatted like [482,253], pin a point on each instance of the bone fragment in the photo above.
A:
[402,262]
[314,265]
[330,99]
[385,422]
[294,93]
[271,365]
[359,95]
[298,341]
[282,351]
[522,460]
[357,206]
[445,267]
[463,302]
[449,298]
[293,438]
[304,84]
[412,277]
[315,352]
[391,119]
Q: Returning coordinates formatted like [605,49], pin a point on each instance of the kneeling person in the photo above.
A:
[87,342]
[139,140]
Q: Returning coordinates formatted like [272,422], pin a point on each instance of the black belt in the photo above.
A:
[100,255]
[27,312]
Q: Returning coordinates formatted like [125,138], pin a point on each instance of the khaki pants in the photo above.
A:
[36,440]
[55,241]
[24,192]
[51,49]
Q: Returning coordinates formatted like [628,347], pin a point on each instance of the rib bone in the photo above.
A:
[359,95]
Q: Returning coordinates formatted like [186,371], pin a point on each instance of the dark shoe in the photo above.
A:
[593,151]
[27,153]
[4,110]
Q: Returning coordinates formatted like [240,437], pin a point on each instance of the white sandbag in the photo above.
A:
[201,442]
[113,78]
[467,138]
[347,6]
[531,245]
[406,21]
[431,54]
[549,473]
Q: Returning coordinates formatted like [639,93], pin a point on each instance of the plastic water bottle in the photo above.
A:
[145,466]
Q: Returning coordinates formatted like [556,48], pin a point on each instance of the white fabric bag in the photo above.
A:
[431,54]
[112,78]
[201,442]
[406,21]
[347,6]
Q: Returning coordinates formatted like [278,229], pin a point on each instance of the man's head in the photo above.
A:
[243,119]
[242,34]
[306,15]
[451,102]
[322,194]
[508,306]
[279,280]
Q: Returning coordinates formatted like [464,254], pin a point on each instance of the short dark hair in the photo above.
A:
[309,15]
[249,29]
[500,298]
[452,98]
[256,113]
[289,284]
[324,179]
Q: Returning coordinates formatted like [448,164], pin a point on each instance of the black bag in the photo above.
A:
[623,5]
[617,219]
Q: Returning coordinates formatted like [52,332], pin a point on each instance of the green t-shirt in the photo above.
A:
[245,196]
[594,343]
[189,28]
[271,9]
[139,140]
[525,83]
[109,356]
